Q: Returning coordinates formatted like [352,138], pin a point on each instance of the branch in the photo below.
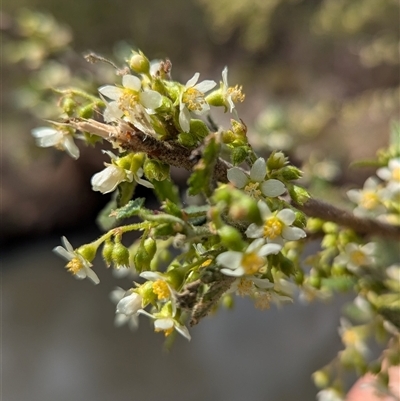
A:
[325,211]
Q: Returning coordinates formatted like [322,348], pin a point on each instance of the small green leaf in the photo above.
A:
[132,208]
[166,190]
[104,220]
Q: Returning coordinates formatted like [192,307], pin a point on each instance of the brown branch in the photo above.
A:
[325,211]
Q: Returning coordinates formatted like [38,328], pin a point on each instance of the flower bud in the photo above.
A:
[198,128]
[216,98]
[155,170]
[107,252]
[231,238]
[290,173]
[245,209]
[187,140]
[239,155]
[276,160]
[321,378]
[150,245]
[120,255]
[68,106]
[88,251]
[139,63]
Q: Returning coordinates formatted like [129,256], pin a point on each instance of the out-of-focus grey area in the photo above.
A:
[323,73]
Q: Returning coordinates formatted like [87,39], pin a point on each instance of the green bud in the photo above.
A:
[301,219]
[198,129]
[86,111]
[173,89]
[314,281]
[175,277]
[69,106]
[298,194]
[150,245]
[231,238]
[227,301]
[286,265]
[314,224]
[245,209]
[290,173]
[139,63]
[120,255]
[239,129]
[216,99]
[239,155]
[321,378]
[228,137]
[107,252]
[141,260]
[223,194]
[88,251]
[276,161]
[330,228]
[187,140]
[329,241]
[155,170]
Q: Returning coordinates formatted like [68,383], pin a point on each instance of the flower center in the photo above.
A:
[350,337]
[272,228]
[251,262]
[252,189]
[193,99]
[244,287]
[129,99]
[369,200]
[74,265]
[160,288]
[396,174]
[167,332]
[358,258]
[236,93]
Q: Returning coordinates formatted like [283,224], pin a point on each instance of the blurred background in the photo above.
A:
[321,79]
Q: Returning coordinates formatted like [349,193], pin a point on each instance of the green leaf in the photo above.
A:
[125,192]
[132,208]
[200,180]
[166,190]
[104,220]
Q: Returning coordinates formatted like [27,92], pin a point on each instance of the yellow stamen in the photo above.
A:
[251,262]
[236,93]
[252,189]
[206,263]
[369,200]
[74,265]
[167,332]
[350,337]
[245,287]
[358,258]
[396,174]
[193,99]
[160,288]
[263,300]
[273,228]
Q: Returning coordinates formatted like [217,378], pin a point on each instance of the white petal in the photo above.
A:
[130,304]
[293,233]
[205,86]
[184,119]
[70,147]
[117,294]
[259,170]
[110,91]
[237,177]
[369,249]
[269,249]
[287,216]
[354,195]
[67,245]
[108,179]
[183,331]
[92,276]
[239,272]
[49,140]
[112,112]
[131,82]
[264,209]
[151,99]
[225,76]
[63,252]
[262,283]
[256,244]
[120,319]
[192,81]
[164,323]
[273,188]
[41,132]
[152,276]
[145,183]
[230,259]
[254,231]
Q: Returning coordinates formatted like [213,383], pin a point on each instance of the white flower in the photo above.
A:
[77,264]
[108,179]
[368,199]
[391,174]
[353,336]
[132,94]
[230,94]
[160,286]
[167,324]
[276,227]
[192,99]
[60,139]
[249,262]
[255,184]
[128,304]
[355,255]
[329,394]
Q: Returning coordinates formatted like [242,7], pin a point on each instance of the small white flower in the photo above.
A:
[391,173]
[108,179]
[353,336]
[368,199]
[192,100]
[230,94]
[276,227]
[128,304]
[249,262]
[160,287]
[60,139]
[355,255]
[255,184]
[132,94]
[77,264]
[167,324]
